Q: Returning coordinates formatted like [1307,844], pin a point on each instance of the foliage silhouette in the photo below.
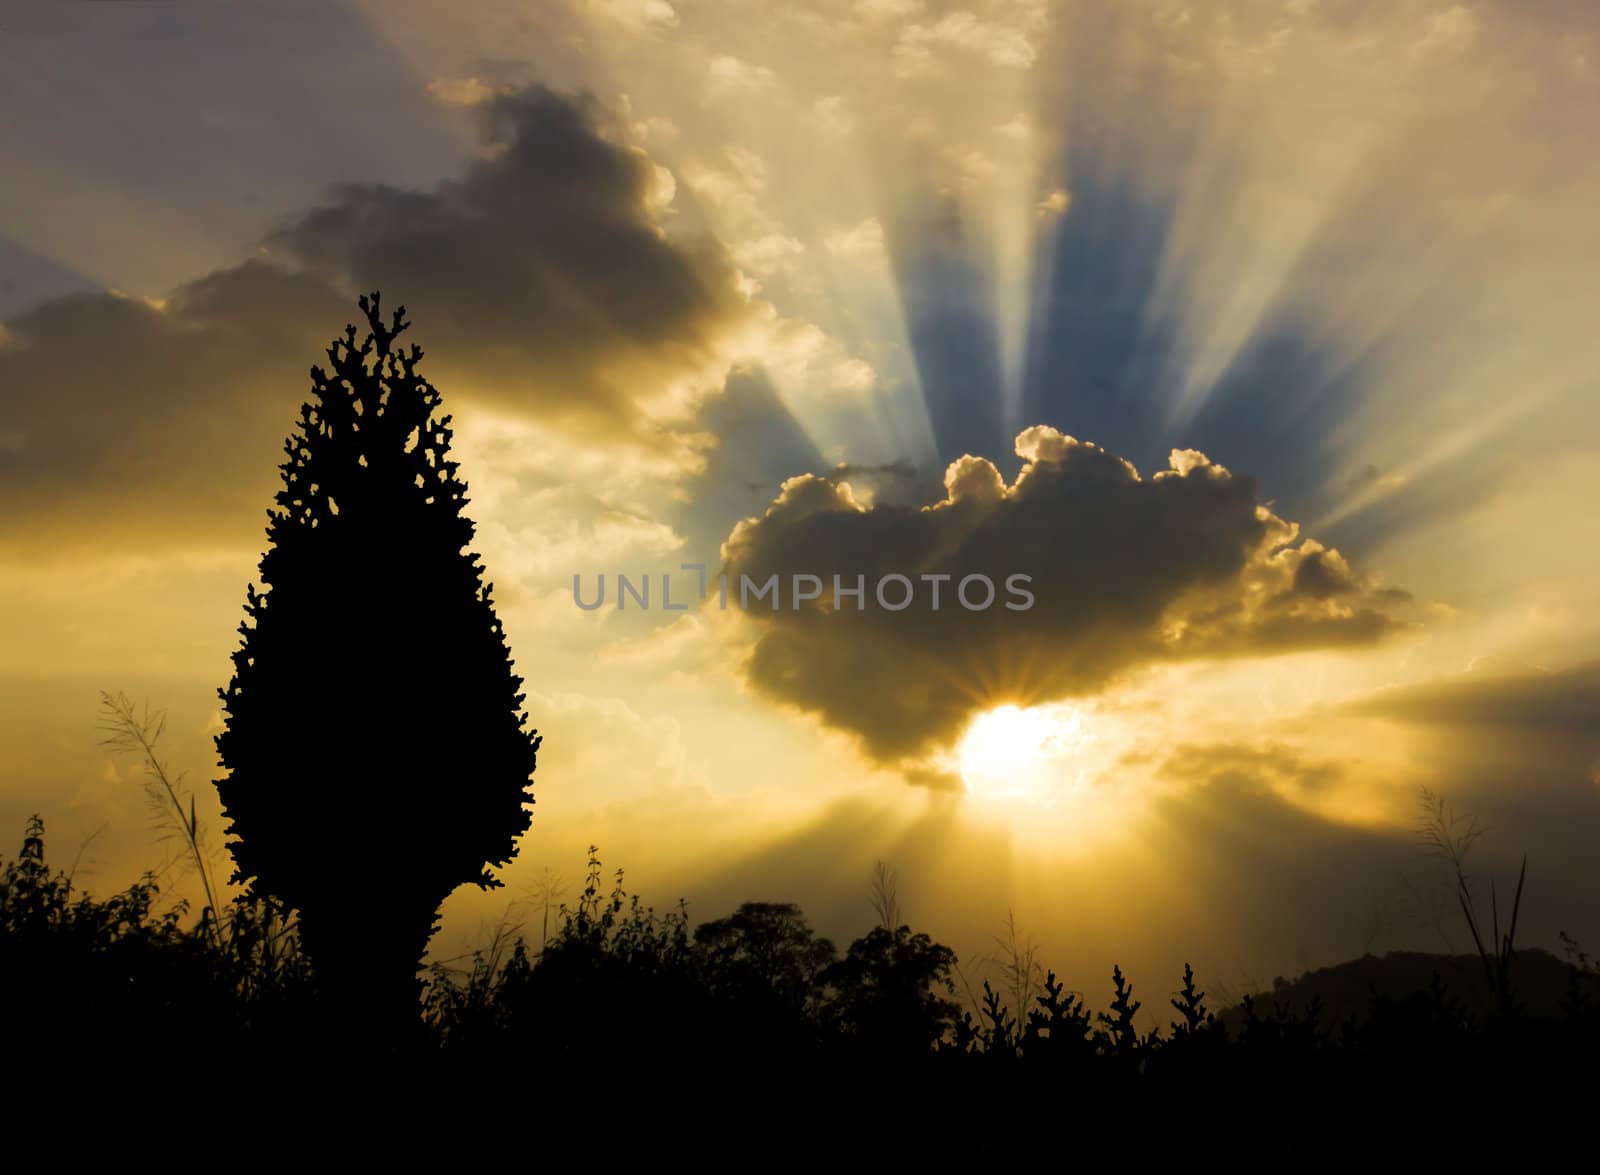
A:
[613,979]
[121,979]
[1190,1004]
[892,992]
[1118,1034]
[763,962]
[1060,1028]
[619,997]
[374,734]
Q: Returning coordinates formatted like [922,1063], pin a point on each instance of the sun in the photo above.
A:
[1061,778]
[1015,753]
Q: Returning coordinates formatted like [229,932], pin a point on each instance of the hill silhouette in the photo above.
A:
[1346,990]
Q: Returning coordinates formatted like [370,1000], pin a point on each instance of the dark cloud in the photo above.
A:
[542,271]
[539,283]
[1125,572]
[129,422]
[899,483]
[889,471]
[28,278]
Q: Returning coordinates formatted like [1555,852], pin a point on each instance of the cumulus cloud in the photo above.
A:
[539,281]
[1125,572]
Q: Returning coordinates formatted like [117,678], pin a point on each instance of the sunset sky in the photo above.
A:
[1264,334]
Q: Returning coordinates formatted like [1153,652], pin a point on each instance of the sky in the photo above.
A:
[1260,335]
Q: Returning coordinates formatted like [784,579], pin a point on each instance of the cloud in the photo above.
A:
[731,77]
[135,422]
[1054,205]
[1125,572]
[862,241]
[1253,766]
[854,376]
[1520,748]
[769,254]
[539,282]
[465,92]
[637,16]
[1006,39]
[569,531]
[834,115]
[887,10]
[1552,704]
[544,275]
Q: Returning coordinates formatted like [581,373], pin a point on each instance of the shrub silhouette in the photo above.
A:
[375,751]
[613,979]
[119,978]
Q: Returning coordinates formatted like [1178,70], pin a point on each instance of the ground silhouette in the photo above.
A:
[625,1016]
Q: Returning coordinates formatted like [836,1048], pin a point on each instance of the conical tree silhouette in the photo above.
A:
[375,751]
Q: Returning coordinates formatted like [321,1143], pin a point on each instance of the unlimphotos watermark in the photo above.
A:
[892,592]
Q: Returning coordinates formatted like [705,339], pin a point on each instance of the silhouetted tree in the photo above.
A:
[375,751]
[1060,1029]
[994,1033]
[1118,1034]
[891,991]
[764,956]
[1190,1004]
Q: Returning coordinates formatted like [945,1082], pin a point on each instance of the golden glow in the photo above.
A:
[1014,753]
[1060,779]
